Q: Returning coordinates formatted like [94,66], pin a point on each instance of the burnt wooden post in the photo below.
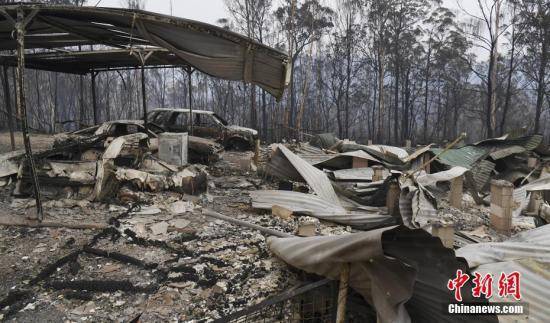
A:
[94,99]
[8,106]
[20,25]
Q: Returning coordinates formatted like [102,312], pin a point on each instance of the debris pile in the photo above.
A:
[206,241]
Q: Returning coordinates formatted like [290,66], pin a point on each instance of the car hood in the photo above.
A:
[244,129]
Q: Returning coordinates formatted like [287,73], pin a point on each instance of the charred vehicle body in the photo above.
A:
[206,124]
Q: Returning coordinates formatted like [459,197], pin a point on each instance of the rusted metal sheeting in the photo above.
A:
[315,206]
[210,49]
[402,273]
[526,253]
[286,164]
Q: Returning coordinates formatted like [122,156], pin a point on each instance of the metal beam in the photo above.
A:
[7,98]
[21,105]
[94,99]
[190,89]
[144,97]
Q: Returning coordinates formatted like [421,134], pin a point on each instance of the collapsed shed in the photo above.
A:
[150,39]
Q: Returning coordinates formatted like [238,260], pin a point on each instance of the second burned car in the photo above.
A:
[206,124]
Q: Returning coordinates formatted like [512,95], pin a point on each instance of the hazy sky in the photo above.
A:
[203,10]
[211,10]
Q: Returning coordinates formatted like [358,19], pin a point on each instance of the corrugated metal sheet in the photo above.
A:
[528,253]
[541,184]
[527,142]
[464,157]
[430,179]
[315,206]
[286,164]
[505,152]
[481,173]
[345,160]
[416,206]
[403,273]
[362,174]
[211,49]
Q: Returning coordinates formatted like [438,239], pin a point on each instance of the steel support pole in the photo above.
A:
[7,98]
[22,108]
[94,99]
[190,87]
[144,96]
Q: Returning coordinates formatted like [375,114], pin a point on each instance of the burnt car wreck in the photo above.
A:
[205,124]
[179,216]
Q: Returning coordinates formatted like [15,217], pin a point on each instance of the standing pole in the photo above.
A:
[143,96]
[22,108]
[343,294]
[8,106]
[190,86]
[94,100]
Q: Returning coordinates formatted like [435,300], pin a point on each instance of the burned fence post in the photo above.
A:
[501,205]
[455,194]
[20,25]
[7,99]
[94,99]
[343,293]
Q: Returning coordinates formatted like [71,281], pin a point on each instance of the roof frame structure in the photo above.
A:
[195,45]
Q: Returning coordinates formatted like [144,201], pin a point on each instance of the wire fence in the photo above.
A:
[309,303]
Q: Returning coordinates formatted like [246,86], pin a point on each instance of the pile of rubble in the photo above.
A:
[203,241]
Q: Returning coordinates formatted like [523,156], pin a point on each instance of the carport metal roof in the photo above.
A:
[210,49]
[84,62]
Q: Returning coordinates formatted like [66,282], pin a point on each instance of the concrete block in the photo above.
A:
[307,229]
[407,143]
[378,173]
[455,195]
[535,202]
[369,142]
[281,212]
[359,162]
[392,199]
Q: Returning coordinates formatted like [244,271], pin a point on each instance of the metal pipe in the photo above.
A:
[22,108]
[245,224]
[7,98]
[143,97]
[94,99]
[190,86]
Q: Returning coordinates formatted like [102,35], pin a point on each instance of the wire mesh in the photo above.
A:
[310,303]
